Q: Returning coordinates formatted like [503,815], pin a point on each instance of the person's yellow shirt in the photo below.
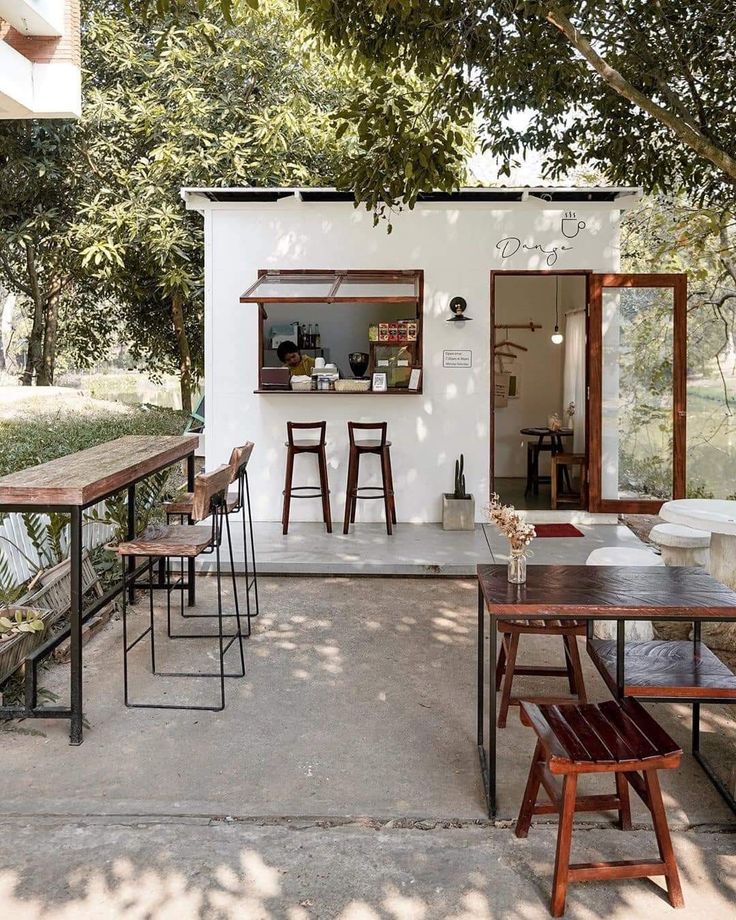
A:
[303,368]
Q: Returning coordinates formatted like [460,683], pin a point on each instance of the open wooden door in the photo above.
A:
[637,361]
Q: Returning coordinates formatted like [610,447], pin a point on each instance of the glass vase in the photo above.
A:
[517,567]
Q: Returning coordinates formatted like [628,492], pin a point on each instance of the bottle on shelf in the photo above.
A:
[317,337]
[310,336]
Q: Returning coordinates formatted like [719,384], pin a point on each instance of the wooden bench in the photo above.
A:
[610,737]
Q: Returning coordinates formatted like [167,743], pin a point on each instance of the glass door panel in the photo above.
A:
[637,381]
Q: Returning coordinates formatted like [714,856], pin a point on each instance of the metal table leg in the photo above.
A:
[192,590]
[75,615]
[130,564]
[620,661]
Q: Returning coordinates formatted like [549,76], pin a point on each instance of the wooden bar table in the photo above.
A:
[656,671]
[69,485]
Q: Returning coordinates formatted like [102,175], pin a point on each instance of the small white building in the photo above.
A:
[519,257]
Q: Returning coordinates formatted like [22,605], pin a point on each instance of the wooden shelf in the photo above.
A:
[663,668]
[396,392]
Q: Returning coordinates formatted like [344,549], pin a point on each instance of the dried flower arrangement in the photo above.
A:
[571,409]
[511,524]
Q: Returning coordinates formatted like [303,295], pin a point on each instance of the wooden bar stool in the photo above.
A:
[560,467]
[186,541]
[619,738]
[237,502]
[507,668]
[385,491]
[306,447]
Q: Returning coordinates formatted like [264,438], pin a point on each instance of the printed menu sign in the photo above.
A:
[457,358]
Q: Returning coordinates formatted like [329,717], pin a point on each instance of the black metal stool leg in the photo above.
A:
[252,544]
[237,609]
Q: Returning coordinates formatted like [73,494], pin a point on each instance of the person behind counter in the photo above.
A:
[298,364]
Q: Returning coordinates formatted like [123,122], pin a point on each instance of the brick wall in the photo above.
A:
[41,50]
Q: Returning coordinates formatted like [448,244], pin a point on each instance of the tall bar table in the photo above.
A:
[69,485]
[655,671]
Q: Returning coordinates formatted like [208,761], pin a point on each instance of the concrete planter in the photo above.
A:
[458,513]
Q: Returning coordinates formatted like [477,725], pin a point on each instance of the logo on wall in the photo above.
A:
[570,227]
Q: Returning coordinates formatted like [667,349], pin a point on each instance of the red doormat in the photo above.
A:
[558,530]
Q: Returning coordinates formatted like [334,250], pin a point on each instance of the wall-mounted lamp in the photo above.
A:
[458,306]
[557,337]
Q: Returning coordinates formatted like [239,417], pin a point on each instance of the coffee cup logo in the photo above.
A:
[570,225]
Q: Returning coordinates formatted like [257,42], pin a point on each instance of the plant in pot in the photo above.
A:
[458,508]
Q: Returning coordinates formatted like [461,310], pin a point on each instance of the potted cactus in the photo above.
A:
[458,508]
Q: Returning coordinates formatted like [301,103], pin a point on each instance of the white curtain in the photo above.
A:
[574,375]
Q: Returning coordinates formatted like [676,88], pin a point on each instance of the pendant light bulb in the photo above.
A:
[557,336]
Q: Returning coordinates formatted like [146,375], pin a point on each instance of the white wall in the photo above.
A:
[457,246]
[519,299]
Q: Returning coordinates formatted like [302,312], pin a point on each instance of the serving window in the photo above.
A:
[346,326]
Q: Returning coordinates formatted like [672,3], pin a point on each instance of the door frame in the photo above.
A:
[594,445]
[586,273]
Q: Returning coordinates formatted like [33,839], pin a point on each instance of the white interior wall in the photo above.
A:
[519,299]
[457,246]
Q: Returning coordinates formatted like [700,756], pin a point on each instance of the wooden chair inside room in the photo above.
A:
[611,737]
[507,668]
[560,466]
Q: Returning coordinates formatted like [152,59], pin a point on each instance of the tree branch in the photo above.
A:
[687,133]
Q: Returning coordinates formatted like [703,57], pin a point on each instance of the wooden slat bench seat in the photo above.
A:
[661,668]
[610,737]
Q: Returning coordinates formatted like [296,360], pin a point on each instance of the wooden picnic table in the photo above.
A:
[656,671]
[69,485]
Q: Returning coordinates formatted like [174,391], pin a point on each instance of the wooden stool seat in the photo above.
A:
[182,504]
[372,446]
[171,540]
[306,446]
[507,668]
[385,492]
[559,465]
[611,737]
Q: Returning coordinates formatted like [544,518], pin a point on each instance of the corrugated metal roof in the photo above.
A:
[501,193]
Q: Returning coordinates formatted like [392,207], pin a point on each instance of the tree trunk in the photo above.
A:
[34,356]
[46,374]
[185,355]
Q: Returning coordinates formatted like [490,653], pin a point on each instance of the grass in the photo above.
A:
[42,433]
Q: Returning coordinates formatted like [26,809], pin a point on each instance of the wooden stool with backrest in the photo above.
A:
[507,668]
[186,541]
[238,502]
[306,446]
[619,738]
[357,449]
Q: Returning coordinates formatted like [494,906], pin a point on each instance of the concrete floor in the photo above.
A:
[414,549]
[341,780]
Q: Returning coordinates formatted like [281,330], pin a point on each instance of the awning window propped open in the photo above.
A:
[313,286]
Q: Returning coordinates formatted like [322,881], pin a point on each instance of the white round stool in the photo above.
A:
[636,630]
[681,545]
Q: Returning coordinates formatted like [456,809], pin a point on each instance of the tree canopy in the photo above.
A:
[641,90]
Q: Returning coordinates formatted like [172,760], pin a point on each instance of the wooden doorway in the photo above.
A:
[497,277]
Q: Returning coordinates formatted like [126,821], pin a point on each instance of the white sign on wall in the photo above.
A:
[452,358]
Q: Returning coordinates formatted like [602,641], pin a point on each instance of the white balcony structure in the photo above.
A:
[40,59]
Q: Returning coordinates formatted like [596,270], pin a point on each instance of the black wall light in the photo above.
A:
[458,306]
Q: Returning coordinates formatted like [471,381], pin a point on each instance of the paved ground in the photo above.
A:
[415,549]
[352,731]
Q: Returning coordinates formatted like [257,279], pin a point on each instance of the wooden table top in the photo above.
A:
[89,475]
[607,592]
